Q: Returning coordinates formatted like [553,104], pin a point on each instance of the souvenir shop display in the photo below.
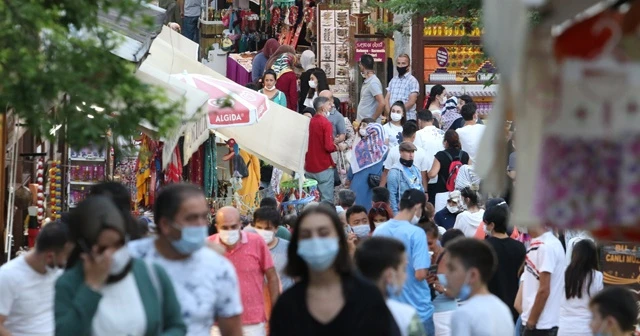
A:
[87,167]
[55,190]
[40,190]
[292,199]
[334,48]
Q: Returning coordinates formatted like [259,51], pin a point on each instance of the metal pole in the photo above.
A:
[12,192]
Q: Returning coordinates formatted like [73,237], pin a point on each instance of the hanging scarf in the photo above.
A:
[370,150]
[282,65]
[450,113]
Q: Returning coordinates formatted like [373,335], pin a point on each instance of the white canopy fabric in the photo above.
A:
[280,138]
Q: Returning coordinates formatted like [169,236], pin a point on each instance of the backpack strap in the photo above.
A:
[448,155]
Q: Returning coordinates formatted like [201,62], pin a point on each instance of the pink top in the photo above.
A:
[252,259]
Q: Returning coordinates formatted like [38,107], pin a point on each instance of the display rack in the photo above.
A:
[86,167]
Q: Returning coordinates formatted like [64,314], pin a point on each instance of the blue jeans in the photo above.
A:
[190,28]
[518,326]
[429,327]
[325,183]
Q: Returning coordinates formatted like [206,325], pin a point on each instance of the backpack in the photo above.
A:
[454,168]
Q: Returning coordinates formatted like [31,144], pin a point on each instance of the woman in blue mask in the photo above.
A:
[105,291]
[329,298]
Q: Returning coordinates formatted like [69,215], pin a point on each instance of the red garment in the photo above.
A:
[321,145]
[288,84]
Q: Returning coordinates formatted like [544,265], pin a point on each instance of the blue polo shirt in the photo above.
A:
[415,293]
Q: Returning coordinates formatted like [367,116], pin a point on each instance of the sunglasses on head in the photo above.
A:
[379,210]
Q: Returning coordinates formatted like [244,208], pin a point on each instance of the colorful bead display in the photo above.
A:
[55,190]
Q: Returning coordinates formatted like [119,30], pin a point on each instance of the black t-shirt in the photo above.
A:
[364,313]
[505,282]
[445,162]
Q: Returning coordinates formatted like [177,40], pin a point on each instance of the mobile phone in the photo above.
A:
[348,229]
[433,269]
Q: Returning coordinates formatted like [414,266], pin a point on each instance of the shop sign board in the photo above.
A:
[620,262]
[374,48]
[442,56]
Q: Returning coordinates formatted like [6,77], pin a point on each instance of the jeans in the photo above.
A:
[539,332]
[429,327]
[190,28]
[518,326]
[325,183]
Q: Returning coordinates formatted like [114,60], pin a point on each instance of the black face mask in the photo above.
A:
[406,163]
[402,70]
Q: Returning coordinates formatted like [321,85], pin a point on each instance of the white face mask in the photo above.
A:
[119,260]
[229,237]
[270,88]
[396,116]
[267,235]
[378,223]
[363,74]
[443,99]
[312,84]
[363,132]
[453,209]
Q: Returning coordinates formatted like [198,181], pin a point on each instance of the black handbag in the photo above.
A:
[373,181]
[336,177]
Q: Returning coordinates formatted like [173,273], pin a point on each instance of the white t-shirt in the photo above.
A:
[470,137]
[482,315]
[468,222]
[120,311]
[420,159]
[26,299]
[402,314]
[574,313]
[206,285]
[393,133]
[545,254]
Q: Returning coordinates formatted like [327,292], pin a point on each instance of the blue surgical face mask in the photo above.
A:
[361,231]
[465,290]
[319,252]
[193,238]
[393,289]
[442,279]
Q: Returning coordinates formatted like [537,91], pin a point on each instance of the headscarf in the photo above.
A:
[92,216]
[283,64]
[307,60]
[370,150]
[450,113]
[270,47]
[283,49]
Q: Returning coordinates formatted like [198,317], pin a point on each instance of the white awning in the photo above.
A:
[281,136]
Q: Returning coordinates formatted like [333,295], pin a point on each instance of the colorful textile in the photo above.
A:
[370,150]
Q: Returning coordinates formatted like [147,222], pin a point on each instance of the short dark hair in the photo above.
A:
[170,199]
[619,303]
[252,86]
[376,254]
[451,235]
[290,220]
[425,115]
[267,214]
[269,202]
[466,98]
[346,198]
[356,209]
[429,227]
[468,110]
[409,129]
[411,198]
[52,237]
[474,253]
[380,194]
[367,61]
[296,266]
[499,216]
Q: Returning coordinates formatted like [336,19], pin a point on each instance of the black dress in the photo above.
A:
[364,313]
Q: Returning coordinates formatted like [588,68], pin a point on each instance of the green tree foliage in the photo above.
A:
[50,75]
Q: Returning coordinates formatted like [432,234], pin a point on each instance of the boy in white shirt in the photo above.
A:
[471,264]
[543,283]
[420,160]
[471,133]
[27,284]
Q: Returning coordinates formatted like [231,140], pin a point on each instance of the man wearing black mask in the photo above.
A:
[403,87]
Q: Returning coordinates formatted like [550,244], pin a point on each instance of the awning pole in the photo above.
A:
[12,192]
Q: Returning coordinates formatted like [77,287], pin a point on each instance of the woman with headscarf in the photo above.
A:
[282,63]
[308,63]
[260,61]
[367,158]
[104,291]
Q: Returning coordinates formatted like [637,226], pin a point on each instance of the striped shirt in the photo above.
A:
[400,88]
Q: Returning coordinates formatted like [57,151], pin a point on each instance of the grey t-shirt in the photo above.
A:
[192,8]
[512,162]
[371,87]
[337,120]
[279,256]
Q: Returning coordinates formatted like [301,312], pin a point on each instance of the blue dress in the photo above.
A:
[360,184]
